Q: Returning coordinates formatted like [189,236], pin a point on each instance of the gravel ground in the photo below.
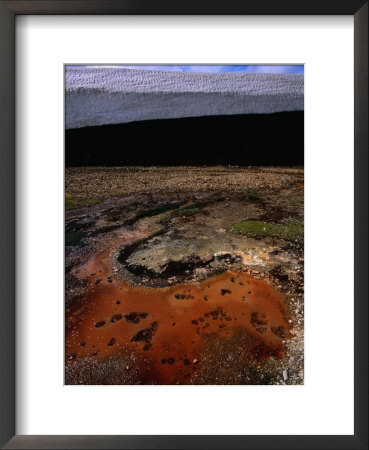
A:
[107,182]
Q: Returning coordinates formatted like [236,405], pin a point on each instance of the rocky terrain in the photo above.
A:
[184,275]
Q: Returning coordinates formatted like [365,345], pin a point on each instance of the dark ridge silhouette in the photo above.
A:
[250,139]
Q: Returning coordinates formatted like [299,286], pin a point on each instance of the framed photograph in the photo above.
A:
[184,224]
[184,263]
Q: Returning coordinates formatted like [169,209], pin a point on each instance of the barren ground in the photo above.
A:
[184,275]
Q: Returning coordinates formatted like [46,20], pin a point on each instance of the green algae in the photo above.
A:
[77,202]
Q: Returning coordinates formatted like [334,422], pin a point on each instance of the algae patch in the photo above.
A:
[252,196]
[78,202]
[186,211]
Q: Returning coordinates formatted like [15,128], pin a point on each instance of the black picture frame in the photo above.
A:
[8,11]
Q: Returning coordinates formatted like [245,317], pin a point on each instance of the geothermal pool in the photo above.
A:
[169,327]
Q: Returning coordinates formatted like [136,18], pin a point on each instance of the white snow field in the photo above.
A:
[101,95]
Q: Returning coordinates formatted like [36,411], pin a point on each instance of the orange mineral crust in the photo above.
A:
[169,327]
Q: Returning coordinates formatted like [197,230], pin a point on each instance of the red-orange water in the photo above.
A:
[169,325]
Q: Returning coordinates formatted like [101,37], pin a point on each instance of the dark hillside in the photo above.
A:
[250,139]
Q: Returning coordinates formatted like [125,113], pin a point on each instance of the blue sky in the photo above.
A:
[218,69]
[230,68]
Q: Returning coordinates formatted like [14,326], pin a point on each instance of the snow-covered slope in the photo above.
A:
[100,96]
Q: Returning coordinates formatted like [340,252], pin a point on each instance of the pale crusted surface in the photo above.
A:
[153,81]
[98,96]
